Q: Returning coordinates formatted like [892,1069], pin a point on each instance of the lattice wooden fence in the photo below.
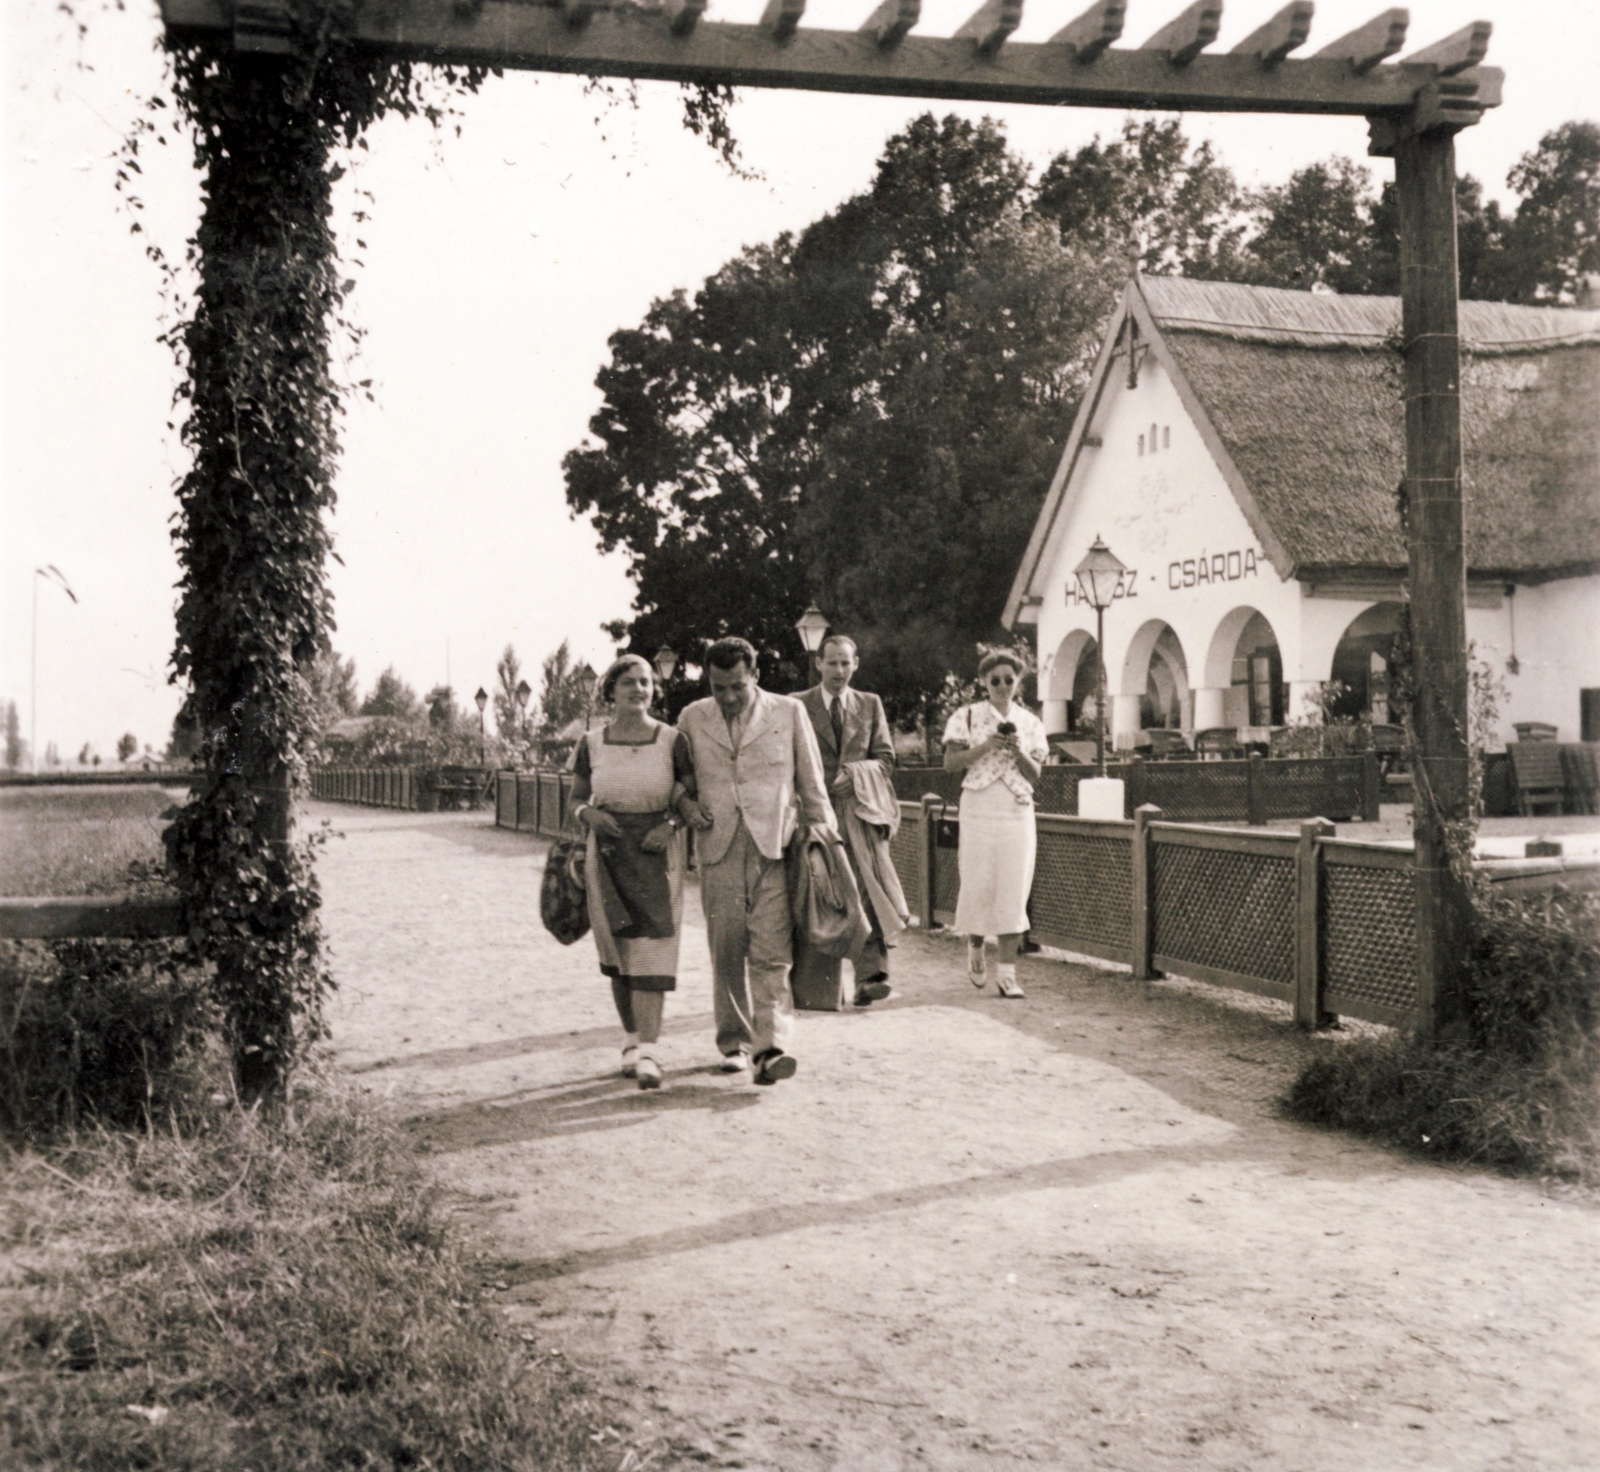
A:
[1326,924]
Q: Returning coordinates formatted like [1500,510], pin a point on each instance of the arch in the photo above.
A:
[1361,662]
[1155,673]
[1244,671]
[1072,650]
[1225,643]
[1135,671]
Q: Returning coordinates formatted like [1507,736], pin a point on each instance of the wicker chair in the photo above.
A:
[1218,743]
[1537,766]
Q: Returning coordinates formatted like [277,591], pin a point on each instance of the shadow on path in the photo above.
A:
[1078,1171]
[543,1042]
[608,1103]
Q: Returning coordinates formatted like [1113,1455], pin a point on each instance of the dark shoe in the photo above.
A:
[873,989]
[773,1065]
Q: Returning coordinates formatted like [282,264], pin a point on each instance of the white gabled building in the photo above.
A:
[1241,448]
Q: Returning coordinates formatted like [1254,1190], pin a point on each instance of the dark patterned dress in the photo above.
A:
[636,778]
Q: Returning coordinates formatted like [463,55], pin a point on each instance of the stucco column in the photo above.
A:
[1303,698]
[1054,715]
[1124,721]
[1208,709]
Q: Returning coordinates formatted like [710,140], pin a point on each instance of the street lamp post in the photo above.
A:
[481,699]
[522,692]
[51,574]
[1100,577]
[812,625]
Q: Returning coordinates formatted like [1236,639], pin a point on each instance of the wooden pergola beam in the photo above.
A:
[1287,31]
[639,43]
[1185,37]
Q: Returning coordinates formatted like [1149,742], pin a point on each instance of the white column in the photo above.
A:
[1303,697]
[1054,715]
[1208,709]
[1124,721]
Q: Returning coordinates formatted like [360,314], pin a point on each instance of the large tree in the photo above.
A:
[16,752]
[716,410]
[1554,239]
[1147,198]
[1326,227]
[931,484]
[515,723]
[391,696]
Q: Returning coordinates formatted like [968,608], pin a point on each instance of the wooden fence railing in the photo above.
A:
[77,917]
[414,789]
[534,802]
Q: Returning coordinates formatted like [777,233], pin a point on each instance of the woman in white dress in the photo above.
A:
[1000,746]
[629,779]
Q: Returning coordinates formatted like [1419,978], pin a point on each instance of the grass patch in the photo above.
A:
[262,1295]
[112,1032]
[1521,1091]
[80,840]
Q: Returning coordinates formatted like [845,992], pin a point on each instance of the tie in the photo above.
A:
[837,717]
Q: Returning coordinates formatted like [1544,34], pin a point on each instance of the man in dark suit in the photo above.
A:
[850,726]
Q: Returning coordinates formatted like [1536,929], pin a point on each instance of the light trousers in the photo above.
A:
[746,902]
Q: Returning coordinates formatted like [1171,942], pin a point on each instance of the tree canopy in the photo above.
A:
[391,696]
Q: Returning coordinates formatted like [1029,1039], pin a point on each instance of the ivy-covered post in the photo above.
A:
[253,541]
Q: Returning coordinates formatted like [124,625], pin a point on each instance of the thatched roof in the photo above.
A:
[1303,391]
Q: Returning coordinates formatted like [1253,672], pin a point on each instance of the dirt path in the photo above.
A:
[1065,1232]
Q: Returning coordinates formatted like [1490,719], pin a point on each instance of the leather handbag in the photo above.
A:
[563,898]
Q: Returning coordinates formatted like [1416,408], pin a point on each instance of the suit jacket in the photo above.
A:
[774,776]
[866,730]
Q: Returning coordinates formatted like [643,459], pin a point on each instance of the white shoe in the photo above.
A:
[649,1072]
[630,1061]
[735,1063]
[1005,980]
[976,972]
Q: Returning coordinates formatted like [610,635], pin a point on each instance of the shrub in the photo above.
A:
[278,1293]
[113,1032]
[1521,1090]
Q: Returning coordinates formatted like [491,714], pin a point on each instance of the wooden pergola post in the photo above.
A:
[1425,187]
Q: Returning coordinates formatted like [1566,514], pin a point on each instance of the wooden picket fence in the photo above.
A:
[412,789]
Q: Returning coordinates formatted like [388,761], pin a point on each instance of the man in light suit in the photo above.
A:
[758,772]
[850,726]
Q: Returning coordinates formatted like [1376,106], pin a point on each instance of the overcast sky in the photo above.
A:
[498,263]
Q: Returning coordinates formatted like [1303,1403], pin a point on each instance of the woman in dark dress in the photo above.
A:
[630,776]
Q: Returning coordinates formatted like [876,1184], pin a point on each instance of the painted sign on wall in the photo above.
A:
[1127,587]
[1218,567]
